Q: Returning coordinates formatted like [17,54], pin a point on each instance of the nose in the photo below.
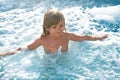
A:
[59,29]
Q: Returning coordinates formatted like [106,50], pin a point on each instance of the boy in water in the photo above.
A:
[54,35]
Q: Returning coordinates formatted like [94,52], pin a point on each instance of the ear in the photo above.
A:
[46,27]
[64,28]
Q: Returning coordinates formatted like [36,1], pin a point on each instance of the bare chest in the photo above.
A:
[53,46]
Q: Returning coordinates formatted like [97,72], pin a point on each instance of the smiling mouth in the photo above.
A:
[58,32]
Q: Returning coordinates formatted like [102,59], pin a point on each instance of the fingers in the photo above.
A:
[7,53]
[18,49]
[104,36]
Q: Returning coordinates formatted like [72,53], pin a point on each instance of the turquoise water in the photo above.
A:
[20,24]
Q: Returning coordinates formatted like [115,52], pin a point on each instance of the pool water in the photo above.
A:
[21,23]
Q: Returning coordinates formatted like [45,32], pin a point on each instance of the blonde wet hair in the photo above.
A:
[51,17]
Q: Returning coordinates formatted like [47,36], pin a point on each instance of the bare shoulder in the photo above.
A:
[68,34]
[75,37]
[39,40]
[35,44]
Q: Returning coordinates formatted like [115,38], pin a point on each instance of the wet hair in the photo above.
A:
[51,17]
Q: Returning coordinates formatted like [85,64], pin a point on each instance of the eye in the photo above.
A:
[54,27]
[61,25]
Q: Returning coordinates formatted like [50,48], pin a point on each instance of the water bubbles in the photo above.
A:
[21,22]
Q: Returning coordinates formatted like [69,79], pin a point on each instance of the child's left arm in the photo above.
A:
[75,37]
[94,38]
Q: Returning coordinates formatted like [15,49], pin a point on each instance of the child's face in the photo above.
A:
[57,30]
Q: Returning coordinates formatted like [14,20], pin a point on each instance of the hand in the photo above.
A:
[7,53]
[103,37]
[10,53]
[18,49]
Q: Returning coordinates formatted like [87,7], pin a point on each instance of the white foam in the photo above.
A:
[25,25]
[105,13]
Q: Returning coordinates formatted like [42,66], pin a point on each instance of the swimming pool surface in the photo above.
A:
[21,23]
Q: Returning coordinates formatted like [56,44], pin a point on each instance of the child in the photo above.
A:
[54,35]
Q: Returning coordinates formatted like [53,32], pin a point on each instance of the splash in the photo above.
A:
[21,24]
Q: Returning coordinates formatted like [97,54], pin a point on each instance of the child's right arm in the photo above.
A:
[32,46]
[10,52]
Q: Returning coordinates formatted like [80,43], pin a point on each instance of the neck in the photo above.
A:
[54,37]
